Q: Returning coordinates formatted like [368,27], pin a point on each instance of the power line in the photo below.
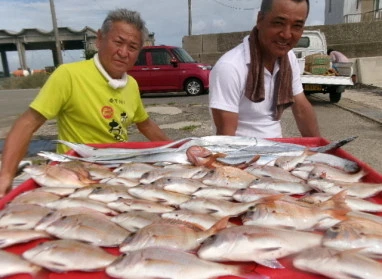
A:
[231,6]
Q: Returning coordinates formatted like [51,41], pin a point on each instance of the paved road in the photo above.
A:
[348,118]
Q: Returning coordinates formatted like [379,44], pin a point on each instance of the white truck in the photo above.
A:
[314,42]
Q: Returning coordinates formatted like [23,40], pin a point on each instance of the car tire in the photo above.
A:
[193,87]
[335,97]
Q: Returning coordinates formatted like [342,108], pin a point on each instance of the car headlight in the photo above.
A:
[205,67]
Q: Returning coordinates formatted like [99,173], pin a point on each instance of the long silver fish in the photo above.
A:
[69,255]
[335,264]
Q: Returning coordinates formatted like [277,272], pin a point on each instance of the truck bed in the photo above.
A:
[330,80]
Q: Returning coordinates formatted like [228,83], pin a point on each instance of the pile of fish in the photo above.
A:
[191,208]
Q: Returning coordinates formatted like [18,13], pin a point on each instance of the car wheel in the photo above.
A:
[193,87]
[335,97]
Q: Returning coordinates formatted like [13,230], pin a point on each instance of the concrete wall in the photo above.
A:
[360,41]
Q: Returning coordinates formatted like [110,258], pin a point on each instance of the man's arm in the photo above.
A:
[151,131]
[225,122]
[305,116]
[16,145]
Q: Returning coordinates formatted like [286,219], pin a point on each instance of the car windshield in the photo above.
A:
[183,56]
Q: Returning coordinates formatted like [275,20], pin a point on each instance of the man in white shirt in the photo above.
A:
[237,107]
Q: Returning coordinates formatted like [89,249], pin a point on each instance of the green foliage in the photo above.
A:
[190,127]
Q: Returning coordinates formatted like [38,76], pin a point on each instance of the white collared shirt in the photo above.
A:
[227,92]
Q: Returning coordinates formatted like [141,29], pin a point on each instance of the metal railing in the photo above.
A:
[362,17]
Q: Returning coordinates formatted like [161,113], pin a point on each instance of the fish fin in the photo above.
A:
[271,263]
[219,225]
[339,201]
[249,272]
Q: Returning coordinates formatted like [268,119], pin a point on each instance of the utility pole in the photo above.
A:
[189,19]
[56,36]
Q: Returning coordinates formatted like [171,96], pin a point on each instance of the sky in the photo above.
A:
[168,19]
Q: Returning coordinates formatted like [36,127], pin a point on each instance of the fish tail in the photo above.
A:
[249,273]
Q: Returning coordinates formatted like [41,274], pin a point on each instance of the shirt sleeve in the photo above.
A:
[53,94]
[296,82]
[225,87]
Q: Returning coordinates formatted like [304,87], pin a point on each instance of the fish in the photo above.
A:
[120,181]
[22,216]
[282,186]
[69,255]
[59,213]
[338,264]
[155,194]
[287,212]
[153,261]
[227,176]
[272,171]
[89,228]
[78,202]
[9,237]
[356,233]
[202,220]
[174,234]
[263,245]
[215,207]
[334,161]
[253,194]
[127,205]
[133,170]
[109,193]
[183,171]
[180,185]
[56,176]
[354,203]
[12,264]
[135,220]
[355,189]
[328,172]
[215,192]
[35,197]
[288,163]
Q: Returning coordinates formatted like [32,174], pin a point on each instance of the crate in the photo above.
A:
[317,59]
[317,69]
[343,68]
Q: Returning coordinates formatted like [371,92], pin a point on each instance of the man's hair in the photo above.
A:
[329,50]
[266,5]
[127,16]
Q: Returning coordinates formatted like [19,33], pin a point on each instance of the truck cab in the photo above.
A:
[331,82]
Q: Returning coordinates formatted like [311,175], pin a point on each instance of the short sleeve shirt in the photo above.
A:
[227,92]
[87,109]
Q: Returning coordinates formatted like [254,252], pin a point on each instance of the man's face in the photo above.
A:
[118,50]
[281,28]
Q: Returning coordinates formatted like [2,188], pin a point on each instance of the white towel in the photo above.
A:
[113,83]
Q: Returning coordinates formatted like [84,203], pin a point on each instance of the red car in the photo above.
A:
[170,69]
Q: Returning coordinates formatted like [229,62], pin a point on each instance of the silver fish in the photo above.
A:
[180,185]
[282,186]
[152,193]
[328,172]
[22,216]
[227,176]
[263,245]
[177,235]
[253,194]
[335,264]
[126,205]
[133,170]
[135,220]
[12,264]
[272,171]
[150,262]
[77,202]
[215,192]
[88,228]
[35,197]
[10,237]
[354,189]
[69,255]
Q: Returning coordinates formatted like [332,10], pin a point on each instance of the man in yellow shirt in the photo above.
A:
[94,101]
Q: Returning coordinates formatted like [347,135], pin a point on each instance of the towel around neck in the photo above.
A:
[113,83]
[254,89]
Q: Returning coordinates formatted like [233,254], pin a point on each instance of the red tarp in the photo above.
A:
[288,273]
